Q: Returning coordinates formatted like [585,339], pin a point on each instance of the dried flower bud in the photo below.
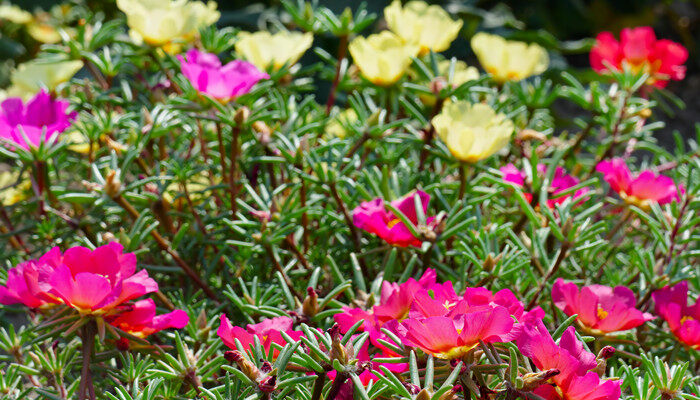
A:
[310,306]
[112,185]
[424,395]
[490,262]
[248,368]
[534,380]
[268,384]
[266,367]
[526,135]
[338,351]
[413,389]
[241,115]
[452,393]
[264,133]
[601,359]
[114,145]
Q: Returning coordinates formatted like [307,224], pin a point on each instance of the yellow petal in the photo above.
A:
[272,51]
[382,58]
[428,26]
[33,75]
[509,60]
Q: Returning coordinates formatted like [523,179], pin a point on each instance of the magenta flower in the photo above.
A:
[641,190]
[671,304]
[28,282]
[601,309]
[267,331]
[455,336]
[373,217]
[207,75]
[561,181]
[639,50]
[575,379]
[394,305]
[42,119]
[141,319]
[97,281]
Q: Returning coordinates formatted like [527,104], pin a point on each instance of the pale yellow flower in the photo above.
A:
[12,192]
[509,60]
[429,27]
[167,23]
[382,58]
[15,14]
[472,132]
[43,32]
[462,74]
[339,124]
[34,75]
[273,50]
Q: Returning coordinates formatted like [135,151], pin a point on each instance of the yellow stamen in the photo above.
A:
[602,314]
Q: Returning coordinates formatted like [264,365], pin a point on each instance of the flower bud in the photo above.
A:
[452,393]
[534,380]
[268,384]
[413,389]
[310,306]
[526,135]
[437,84]
[122,344]
[248,368]
[263,132]
[424,395]
[112,185]
[601,359]
[241,115]
[338,351]
[644,113]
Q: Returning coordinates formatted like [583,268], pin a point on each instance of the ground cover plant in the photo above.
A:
[191,212]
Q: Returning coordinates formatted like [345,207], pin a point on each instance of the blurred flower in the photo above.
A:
[15,14]
[641,190]
[13,187]
[28,282]
[671,304]
[452,337]
[508,60]
[429,27]
[639,51]
[271,51]
[472,132]
[41,119]
[339,124]
[167,23]
[98,281]
[267,331]
[205,73]
[373,217]
[576,379]
[141,319]
[561,182]
[383,58]
[33,76]
[600,309]
[43,32]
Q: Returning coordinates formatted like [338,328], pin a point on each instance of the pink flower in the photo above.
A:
[641,190]
[42,119]
[267,331]
[28,282]
[575,380]
[639,50]
[141,319]
[453,337]
[207,75]
[394,304]
[683,319]
[560,182]
[600,309]
[373,217]
[97,281]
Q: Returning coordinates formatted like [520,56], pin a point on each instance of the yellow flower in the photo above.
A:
[383,58]
[11,191]
[273,50]
[472,132]
[43,32]
[429,27]
[33,75]
[15,14]
[167,23]
[509,60]
[338,125]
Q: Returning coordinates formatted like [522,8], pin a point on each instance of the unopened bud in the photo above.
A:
[114,145]
[122,344]
[264,133]
[241,115]
[601,359]
[201,321]
[490,262]
[248,368]
[112,185]
[644,113]
[530,134]
[266,367]
[437,84]
[268,384]
[310,306]
[338,351]
[452,393]
[412,389]
[424,395]
[108,237]
[534,380]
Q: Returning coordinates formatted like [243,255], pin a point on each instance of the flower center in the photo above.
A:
[602,314]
